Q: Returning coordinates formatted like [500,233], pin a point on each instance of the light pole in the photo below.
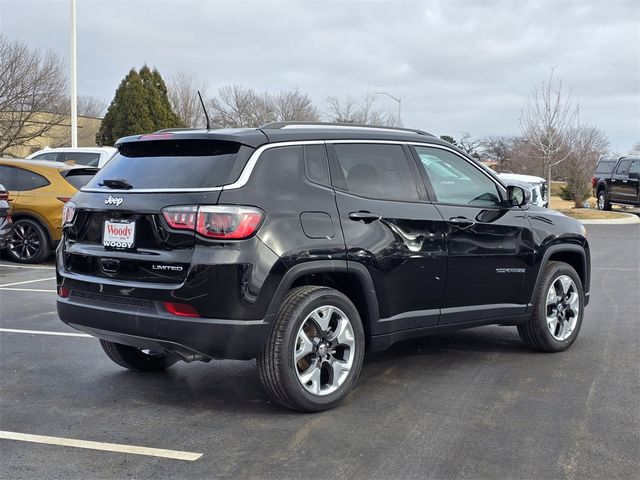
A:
[74,79]
[399,100]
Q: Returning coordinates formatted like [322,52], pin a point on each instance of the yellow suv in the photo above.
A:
[37,192]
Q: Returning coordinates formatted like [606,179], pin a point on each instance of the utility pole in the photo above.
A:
[74,79]
[399,100]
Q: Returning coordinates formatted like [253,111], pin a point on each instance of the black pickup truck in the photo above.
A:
[616,181]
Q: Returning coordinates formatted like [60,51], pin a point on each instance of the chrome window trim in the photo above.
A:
[245,175]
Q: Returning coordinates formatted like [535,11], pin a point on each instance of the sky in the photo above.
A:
[458,66]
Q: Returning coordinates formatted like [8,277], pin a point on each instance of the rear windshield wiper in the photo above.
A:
[120,184]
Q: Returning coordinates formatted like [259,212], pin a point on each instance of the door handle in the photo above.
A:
[364,217]
[461,222]
[624,181]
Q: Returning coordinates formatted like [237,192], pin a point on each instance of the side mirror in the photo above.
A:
[517,196]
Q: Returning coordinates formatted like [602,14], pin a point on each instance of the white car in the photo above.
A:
[90,156]
[537,185]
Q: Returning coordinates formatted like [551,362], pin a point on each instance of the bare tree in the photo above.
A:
[547,122]
[89,106]
[237,106]
[293,105]
[183,95]
[587,144]
[504,150]
[470,144]
[32,91]
[351,110]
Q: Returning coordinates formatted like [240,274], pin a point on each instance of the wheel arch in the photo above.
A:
[575,255]
[353,280]
[22,215]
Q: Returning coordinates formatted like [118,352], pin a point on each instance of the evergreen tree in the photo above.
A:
[140,105]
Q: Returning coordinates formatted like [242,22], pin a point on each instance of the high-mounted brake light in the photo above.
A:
[156,136]
[227,222]
[68,212]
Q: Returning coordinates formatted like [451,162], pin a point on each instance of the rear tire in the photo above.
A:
[28,242]
[315,351]
[558,309]
[136,359]
[603,201]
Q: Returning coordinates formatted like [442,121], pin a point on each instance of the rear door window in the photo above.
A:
[26,180]
[623,168]
[378,171]
[606,166]
[182,164]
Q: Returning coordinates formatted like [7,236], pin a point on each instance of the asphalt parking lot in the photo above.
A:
[474,404]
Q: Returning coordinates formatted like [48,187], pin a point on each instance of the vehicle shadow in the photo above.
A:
[233,386]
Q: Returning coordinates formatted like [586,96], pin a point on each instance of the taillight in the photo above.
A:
[181,217]
[68,212]
[64,199]
[63,292]
[181,309]
[228,222]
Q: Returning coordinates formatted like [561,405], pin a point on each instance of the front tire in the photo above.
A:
[28,242]
[603,201]
[315,351]
[558,309]
[137,359]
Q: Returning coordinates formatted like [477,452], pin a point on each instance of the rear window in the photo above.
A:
[606,166]
[82,158]
[175,164]
[79,177]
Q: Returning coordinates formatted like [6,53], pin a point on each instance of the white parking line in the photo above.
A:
[27,281]
[107,447]
[42,332]
[27,290]
[27,266]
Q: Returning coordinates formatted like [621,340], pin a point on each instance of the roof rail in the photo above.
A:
[181,129]
[281,125]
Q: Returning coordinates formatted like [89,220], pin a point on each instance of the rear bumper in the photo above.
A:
[191,338]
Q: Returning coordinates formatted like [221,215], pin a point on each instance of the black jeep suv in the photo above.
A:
[304,246]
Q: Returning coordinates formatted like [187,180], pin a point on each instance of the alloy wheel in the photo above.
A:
[324,350]
[562,307]
[25,242]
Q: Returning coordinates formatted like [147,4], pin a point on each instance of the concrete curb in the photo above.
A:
[628,219]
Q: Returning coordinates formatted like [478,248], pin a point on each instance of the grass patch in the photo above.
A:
[567,207]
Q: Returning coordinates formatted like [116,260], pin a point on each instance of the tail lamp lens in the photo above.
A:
[181,309]
[63,292]
[228,222]
[181,218]
[68,213]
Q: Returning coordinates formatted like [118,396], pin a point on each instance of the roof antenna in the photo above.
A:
[206,115]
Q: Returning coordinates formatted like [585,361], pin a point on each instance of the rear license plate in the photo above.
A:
[119,233]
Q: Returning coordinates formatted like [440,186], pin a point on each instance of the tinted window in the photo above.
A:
[635,167]
[457,181]
[176,164]
[79,178]
[80,158]
[623,167]
[8,177]
[51,156]
[316,164]
[376,171]
[606,166]
[27,180]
